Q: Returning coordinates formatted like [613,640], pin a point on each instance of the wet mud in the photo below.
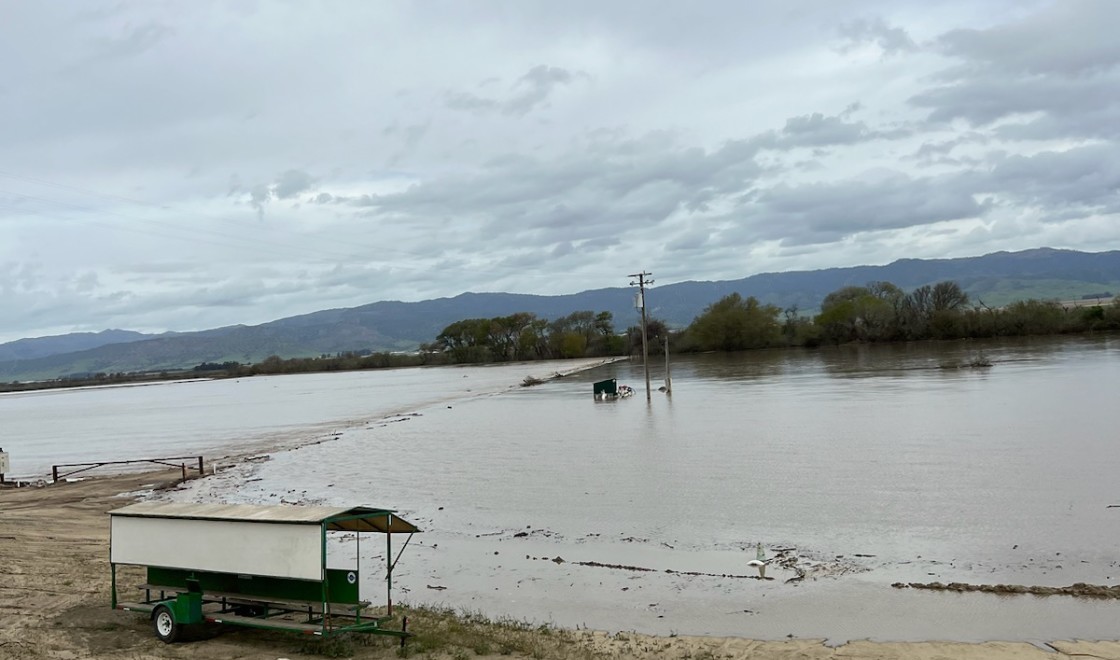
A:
[1079,589]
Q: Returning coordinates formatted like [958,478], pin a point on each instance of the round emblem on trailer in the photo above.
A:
[351,577]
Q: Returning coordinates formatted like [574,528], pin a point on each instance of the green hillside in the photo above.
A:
[994,279]
[999,293]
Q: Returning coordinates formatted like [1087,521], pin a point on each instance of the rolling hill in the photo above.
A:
[996,279]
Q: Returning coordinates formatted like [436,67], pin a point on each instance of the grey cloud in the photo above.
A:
[930,152]
[527,259]
[164,269]
[623,180]
[259,196]
[611,189]
[529,91]
[1070,37]
[206,297]
[1062,62]
[15,205]
[535,87]
[1059,184]
[698,143]
[352,276]
[635,180]
[1085,179]
[545,76]
[414,133]
[86,282]
[19,276]
[251,287]
[809,165]
[687,33]
[691,240]
[1086,121]
[561,249]
[825,212]
[891,40]
[288,185]
[134,41]
[818,130]
[359,201]
[984,97]
[469,102]
[563,254]
[94,13]
[291,183]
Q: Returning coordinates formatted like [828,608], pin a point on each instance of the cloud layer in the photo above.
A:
[233,163]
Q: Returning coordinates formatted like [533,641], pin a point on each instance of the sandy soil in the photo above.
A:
[54,603]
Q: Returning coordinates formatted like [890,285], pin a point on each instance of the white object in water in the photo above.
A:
[760,565]
[759,562]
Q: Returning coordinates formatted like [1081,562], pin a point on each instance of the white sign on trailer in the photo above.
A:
[278,550]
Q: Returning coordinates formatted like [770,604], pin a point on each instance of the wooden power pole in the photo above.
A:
[642,282]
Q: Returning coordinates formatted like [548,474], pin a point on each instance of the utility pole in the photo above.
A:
[668,374]
[642,282]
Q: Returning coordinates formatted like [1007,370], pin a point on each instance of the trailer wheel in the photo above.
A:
[163,622]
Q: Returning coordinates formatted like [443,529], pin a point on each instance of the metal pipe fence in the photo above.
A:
[200,468]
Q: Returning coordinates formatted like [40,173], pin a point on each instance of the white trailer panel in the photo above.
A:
[273,549]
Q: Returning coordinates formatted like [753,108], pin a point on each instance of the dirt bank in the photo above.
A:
[54,603]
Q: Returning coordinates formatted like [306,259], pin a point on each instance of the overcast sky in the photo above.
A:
[187,165]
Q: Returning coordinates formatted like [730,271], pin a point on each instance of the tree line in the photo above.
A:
[882,312]
[876,312]
[524,336]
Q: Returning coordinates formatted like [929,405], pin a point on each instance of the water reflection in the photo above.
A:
[749,365]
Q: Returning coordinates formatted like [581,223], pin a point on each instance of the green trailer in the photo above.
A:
[609,389]
[605,389]
[262,566]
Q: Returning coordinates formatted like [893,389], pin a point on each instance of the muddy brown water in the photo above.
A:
[868,465]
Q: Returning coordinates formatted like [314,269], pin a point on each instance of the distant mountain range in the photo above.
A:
[996,279]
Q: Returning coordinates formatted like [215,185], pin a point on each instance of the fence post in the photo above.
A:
[54,473]
[200,473]
[184,467]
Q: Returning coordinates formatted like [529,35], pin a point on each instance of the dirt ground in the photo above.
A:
[54,603]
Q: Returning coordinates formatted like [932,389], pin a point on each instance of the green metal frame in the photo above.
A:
[341,590]
[268,598]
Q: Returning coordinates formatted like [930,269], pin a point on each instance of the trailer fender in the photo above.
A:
[167,629]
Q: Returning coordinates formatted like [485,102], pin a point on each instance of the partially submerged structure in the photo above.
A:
[610,389]
[264,566]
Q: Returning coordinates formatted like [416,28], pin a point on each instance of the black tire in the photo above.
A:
[164,624]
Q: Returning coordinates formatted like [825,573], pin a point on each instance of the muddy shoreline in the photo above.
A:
[54,601]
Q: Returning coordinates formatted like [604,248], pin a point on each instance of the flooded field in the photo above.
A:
[853,468]
[217,417]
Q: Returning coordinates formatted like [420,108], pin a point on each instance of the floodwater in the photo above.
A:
[49,427]
[870,465]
